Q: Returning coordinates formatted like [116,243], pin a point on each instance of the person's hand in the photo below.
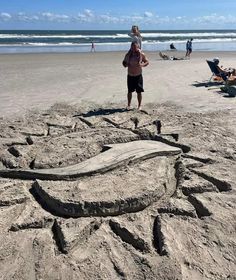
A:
[144,63]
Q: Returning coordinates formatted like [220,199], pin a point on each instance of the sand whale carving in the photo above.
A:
[116,155]
[97,196]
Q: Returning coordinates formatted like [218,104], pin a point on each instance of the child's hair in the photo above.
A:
[135,26]
[136,32]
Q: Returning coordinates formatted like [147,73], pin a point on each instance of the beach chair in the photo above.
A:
[215,71]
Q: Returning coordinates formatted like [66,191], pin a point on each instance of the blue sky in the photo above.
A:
[114,14]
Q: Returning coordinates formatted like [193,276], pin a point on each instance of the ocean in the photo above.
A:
[37,41]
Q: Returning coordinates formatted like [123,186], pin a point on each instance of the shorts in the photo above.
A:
[135,83]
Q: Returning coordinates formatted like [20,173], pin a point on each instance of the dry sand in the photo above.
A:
[39,80]
[75,205]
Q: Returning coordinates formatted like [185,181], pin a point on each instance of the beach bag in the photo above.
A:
[232,91]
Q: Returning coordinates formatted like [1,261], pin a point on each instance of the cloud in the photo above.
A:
[23,17]
[47,16]
[88,13]
[215,19]
[145,19]
[148,14]
[5,16]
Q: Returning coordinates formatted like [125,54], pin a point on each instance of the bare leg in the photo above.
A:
[129,97]
[189,53]
[139,96]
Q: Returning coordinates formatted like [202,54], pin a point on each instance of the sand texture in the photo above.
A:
[93,191]
[37,81]
[147,207]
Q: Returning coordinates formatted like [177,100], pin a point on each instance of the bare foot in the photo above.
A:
[128,108]
[140,108]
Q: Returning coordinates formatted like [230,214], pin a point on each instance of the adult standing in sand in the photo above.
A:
[135,35]
[135,59]
[189,48]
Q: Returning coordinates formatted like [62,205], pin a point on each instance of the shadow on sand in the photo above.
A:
[206,84]
[101,112]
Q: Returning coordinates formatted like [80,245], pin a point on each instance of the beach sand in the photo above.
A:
[30,81]
[81,200]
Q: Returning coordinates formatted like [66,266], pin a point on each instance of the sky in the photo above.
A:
[117,15]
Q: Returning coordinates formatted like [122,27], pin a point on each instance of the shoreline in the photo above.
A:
[114,47]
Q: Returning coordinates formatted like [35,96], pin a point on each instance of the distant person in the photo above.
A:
[135,35]
[167,57]
[135,59]
[93,47]
[189,47]
[226,72]
[172,47]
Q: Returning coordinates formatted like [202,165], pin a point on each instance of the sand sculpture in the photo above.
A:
[109,194]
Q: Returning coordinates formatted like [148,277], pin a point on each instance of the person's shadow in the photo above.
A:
[100,112]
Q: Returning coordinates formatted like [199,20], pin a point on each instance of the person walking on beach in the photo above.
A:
[135,35]
[189,48]
[135,59]
[92,47]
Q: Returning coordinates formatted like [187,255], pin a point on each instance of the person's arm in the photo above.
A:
[131,34]
[144,61]
[125,61]
[222,70]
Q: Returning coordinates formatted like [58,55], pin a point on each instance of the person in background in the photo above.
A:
[226,72]
[92,47]
[189,47]
[135,59]
[172,47]
[135,35]
[167,57]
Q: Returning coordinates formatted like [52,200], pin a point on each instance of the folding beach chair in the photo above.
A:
[216,72]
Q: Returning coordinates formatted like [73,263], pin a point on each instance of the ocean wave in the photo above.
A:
[212,40]
[23,36]
[152,42]
[120,35]
[106,40]
[190,35]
